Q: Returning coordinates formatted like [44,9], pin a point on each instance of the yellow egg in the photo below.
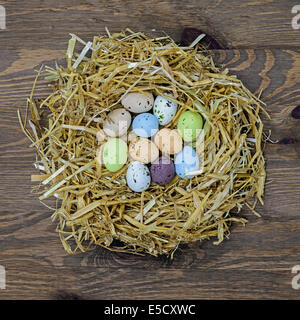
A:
[168,141]
[143,150]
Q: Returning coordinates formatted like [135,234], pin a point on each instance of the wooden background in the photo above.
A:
[261,47]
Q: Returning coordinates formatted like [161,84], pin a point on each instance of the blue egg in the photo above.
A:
[145,125]
[186,161]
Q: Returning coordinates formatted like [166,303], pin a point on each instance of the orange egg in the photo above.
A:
[168,141]
[143,150]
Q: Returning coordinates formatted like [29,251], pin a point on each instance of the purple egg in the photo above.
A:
[162,171]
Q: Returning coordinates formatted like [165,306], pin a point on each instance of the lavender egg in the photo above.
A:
[162,171]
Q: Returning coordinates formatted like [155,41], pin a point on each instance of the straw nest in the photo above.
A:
[95,206]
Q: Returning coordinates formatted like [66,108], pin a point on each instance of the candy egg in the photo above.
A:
[138,176]
[132,136]
[168,141]
[100,136]
[186,161]
[145,125]
[189,125]
[164,109]
[162,171]
[137,102]
[99,155]
[117,122]
[115,154]
[143,150]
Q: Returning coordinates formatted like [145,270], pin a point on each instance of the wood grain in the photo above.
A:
[123,283]
[256,261]
[239,24]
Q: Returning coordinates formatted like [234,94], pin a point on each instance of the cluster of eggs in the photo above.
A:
[148,139]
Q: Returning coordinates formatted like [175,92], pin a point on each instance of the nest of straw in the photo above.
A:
[95,206]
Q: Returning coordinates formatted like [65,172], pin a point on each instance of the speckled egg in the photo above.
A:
[164,109]
[117,122]
[137,102]
[145,125]
[162,171]
[115,154]
[168,141]
[132,136]
[186,161]
[99,155]
[189,125]
[143,150]
[138,176]
[100,136]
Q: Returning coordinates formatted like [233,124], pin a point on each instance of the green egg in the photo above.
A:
[115,153]
[189,125]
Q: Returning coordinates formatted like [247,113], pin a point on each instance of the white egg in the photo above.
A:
[164,109]
[138,176]
[137,102]
[117,122]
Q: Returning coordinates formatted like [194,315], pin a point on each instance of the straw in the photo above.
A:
[96,206]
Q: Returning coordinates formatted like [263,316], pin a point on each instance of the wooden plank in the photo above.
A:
[43,282]
[279,86]
[255,262]
[26,231]
[274,72]
[234,24]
